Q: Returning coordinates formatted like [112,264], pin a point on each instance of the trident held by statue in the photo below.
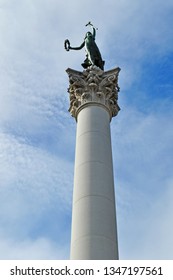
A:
[89,23]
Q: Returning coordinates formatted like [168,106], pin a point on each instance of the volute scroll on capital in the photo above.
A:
[94,86]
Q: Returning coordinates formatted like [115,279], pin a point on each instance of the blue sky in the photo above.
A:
[37,134]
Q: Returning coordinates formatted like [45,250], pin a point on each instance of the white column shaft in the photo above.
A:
[94,230]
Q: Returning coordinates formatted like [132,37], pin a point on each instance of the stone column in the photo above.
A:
[93,103]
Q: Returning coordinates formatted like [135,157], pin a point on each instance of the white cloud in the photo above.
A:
[39,249]
[142,150]
[35,199]
[24,166]
[149,234]
[158,240]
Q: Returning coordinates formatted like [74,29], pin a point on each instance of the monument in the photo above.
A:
[93,97]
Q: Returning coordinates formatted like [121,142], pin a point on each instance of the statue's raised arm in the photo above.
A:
[94,29]
[93,56]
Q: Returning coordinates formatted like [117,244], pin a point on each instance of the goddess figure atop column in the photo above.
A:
[93,55]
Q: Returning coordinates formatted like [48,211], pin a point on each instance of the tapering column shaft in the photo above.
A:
[94,231]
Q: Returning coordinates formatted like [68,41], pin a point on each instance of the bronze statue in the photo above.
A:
[93,56]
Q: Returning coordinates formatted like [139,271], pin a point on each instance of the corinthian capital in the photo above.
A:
[93,86]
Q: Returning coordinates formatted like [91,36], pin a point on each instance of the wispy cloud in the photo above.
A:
[142,150]
[34,184]
[39,249]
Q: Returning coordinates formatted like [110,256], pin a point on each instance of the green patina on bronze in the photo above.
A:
[93,56]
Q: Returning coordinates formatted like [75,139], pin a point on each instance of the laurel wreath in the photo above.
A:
[67,45]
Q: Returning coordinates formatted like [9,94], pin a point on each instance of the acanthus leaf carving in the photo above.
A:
[93,85]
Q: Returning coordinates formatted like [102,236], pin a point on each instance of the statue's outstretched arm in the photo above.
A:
[68,47]
[77,48]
